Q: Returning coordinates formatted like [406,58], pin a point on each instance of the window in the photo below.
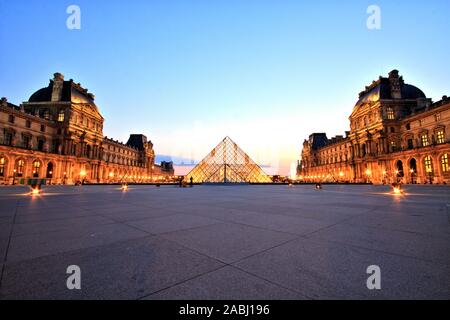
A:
[410,144]
[61,116]
[8,138]
[390,113]
[40,146]
[36,168]
[437,117]
[19,168]
[440,136]
[408,126]
[428,164]
[392,129]
[46,114]
[2,167]
[424,139]
[11,118]
[393,146]
[26,139]
[42,128]
[444,163]
[28,124]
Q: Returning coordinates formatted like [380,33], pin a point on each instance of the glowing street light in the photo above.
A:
[14,176]
[397,188]
[82,175]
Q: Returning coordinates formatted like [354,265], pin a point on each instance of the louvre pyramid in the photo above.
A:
[227,163]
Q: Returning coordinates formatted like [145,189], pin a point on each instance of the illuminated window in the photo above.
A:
[19,168]
[428,164]
[440,137]
[424,139]
[2,167]
[61,116]
[390,113]
[36,168]
[444,163]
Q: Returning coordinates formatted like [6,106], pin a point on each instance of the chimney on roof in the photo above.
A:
[396,83]
[58,81]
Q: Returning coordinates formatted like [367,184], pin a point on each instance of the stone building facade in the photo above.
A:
[396,134]
[57,137]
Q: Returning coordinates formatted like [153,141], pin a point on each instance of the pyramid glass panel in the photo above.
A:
[227,163]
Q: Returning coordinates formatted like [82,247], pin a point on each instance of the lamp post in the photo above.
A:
[50,173]
[14,176]
[412,175]
[82,175]
[64,177]
[368,173]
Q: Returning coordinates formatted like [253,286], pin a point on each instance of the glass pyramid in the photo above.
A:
[227,163]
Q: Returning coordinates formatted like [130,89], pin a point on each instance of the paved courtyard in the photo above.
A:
[225,242]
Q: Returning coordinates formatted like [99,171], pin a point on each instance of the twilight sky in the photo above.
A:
[187,73]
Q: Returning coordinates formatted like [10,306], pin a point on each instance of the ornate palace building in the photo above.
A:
[396,134]
[57,137]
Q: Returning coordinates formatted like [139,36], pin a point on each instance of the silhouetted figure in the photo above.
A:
[181,183]
[318,186]
[191,182]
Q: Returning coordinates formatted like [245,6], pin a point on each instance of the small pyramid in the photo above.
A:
[227,163]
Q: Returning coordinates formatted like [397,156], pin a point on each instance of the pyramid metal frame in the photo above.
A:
[227,163]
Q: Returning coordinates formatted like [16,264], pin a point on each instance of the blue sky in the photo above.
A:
[187,73]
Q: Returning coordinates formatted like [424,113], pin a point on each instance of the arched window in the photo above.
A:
[428,164]
[2,166]
[445,163]
[20,165]
[50,170]
[36,168]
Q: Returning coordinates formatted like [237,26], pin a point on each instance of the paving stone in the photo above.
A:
[227,283]
[123,270]
[228,242]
